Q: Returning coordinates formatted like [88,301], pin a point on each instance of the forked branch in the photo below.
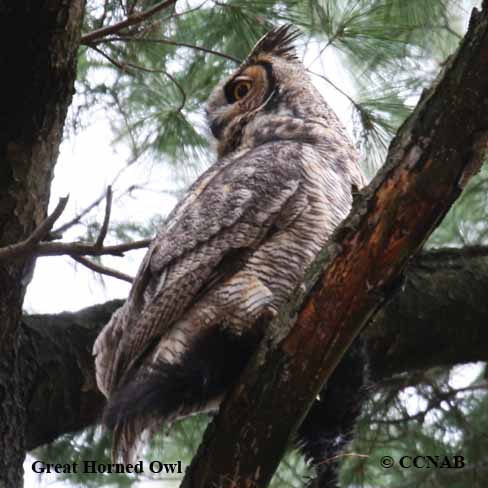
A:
[36,244]
[28,245]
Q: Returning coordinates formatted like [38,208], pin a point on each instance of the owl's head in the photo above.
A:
[270,83]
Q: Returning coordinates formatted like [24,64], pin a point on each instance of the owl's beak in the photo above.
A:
[217,128]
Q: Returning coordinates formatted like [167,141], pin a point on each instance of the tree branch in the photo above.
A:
[133,19]
[76,250]
[170,42]
[106,219]
[80,249]
[27,245]
[58,231]
[65,397]
[417,329]
[425,322]
[429,162]
[98,268]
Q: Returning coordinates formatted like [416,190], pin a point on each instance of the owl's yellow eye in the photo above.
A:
[241,89]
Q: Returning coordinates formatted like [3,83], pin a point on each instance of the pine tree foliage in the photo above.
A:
[165,76]
[423,414]
[151,80]
[466,224]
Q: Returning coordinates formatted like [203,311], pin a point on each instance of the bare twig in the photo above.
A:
[170,76]
[102,269]
[344,455]
[77,219]
[175,15]
[34,245]
[133,19]
[20,248]
[121,66]
[76,250]
[81,249]
[125,65]
[106,219]
[59,231]
[333,85]
[63,228]
[170,42]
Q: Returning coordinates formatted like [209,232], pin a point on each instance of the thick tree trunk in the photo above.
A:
[39,41]
[418,328]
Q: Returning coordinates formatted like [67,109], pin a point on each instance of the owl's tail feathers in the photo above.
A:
[127,437]
[139,406]
[166,390]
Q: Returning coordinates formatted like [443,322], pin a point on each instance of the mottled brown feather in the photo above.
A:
[239,242]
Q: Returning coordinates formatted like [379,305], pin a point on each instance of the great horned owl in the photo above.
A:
[233,250]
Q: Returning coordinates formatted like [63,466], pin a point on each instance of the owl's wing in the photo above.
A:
[227,212]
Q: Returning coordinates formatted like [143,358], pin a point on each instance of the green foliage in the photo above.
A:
[383,46]
[424,415]
[465,224]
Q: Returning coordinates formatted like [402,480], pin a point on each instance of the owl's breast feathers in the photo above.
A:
[233,249]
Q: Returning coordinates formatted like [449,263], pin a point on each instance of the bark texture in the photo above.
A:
[65,382]
[433,156]
[38,63]
[437,317]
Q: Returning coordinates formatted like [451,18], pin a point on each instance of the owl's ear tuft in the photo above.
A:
[278,42]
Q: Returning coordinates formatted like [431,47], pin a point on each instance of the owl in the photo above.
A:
[231,253]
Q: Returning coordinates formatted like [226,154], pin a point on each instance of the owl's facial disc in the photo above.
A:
[249,87]
[245,93]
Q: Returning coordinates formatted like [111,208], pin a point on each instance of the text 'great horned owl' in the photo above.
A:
[233,250]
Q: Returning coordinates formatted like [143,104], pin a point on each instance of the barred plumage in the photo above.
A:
[233,249]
